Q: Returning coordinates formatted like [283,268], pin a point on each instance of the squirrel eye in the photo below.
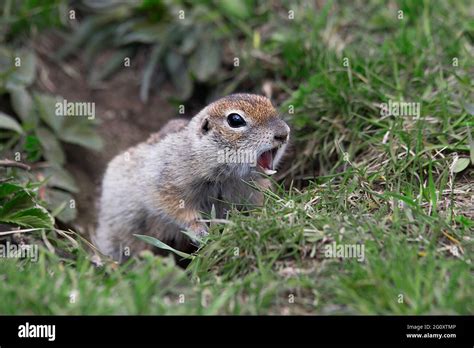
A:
[236,121]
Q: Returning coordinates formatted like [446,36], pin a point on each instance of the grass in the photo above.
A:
[393,184]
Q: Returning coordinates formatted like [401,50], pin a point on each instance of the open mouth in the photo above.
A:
[266,159]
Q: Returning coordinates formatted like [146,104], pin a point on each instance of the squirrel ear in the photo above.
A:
[205,126]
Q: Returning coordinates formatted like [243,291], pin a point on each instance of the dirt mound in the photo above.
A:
[124,119]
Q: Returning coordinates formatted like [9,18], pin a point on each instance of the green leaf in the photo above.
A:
[58,177]
[21,103]
[25,73]
[6,56]
[174,61]
[80,132]
[460,165]
[37,217]
[432,189]
[21,200]
[213,212]
[97,43]
[22,209]
[9,188]
[8,122]
[236,8]
[192,236]
[402,198]
[190,41]
[155,56]
[59,203]
[171,34]
[32,148]
[183,82]
[142,33]
[46,106]
[180,76]
[465,221]
[471,144]
[103,71]
[471,150]
[52,149]
[206,60]
[161,245]
[85,31]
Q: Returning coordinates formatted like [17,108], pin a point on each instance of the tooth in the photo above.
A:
[269,171]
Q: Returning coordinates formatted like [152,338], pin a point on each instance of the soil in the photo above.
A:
[124,119]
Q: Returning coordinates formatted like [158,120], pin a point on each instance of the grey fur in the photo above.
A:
[160,187]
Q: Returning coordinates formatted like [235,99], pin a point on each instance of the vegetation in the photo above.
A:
[400,185]
[183,40]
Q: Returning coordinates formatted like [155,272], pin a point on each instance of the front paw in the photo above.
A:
[197,232]
[201,232]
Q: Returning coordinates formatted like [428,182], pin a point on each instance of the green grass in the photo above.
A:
[397,191]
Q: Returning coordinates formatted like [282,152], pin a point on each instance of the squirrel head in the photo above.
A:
[242,133]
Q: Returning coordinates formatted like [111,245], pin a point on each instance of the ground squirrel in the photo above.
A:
[164,185]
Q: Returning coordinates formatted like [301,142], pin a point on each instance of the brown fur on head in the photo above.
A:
[259,130]
[258,107]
